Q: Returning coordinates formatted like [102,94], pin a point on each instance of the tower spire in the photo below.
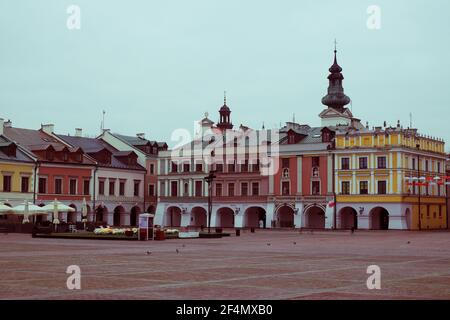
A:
[335,97]
[225,98]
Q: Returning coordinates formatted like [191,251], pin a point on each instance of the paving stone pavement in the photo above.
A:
[268,264]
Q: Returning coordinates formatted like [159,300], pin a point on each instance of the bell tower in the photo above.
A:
[224,116]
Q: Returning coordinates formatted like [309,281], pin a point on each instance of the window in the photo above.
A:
[438,167]
[86,187]
[73,186]
[25,184]
[219,167]
[58,186]
[382,187]
[244,189]
[315,187]
[151,190]
[42,185]
[218,189]
[285,188]
[186,167]
[231,189]
[345,163]
[231,167]
[174,167]
[65,156]
[136,188]
[6,183]
[101,187]
[315,162]
[363,163]
[255,188]
[122,188]
[198,188]
[174,188]
[186,189]
[381,161]
[199,167]
[112,185]
[285,163]
[363,187]
[152,168]
[413,163]
[426,165]
[345,187]
[256,166]
[244,166]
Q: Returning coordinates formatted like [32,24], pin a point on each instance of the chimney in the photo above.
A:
[140,135]
[78,132]
[48,128]
[2,123]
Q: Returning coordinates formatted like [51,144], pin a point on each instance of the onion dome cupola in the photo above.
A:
[224,116]
[335,98]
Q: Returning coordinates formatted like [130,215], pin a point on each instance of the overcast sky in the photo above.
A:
[155,66]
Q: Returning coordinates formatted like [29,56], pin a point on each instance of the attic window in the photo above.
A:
[50,155]
[65,156]
[317,135]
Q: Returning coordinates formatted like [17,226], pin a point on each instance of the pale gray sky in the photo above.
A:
[159,65]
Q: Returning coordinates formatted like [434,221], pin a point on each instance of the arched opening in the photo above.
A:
[101,213]
[255,217]
[315,218]
[348,218]
[225,217]
[408,219]
[134,214]
[172,218]
[199,217]
[379,219]
[151,209]
[72,216]
[118,212]
[285,217]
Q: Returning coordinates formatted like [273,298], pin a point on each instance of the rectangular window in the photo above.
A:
[255,188]
[25,183]
[244,189]
[73,186]
[244,166]
[231,189]
[112,187]
[174,167]
[86,187]
[231,167]
[363,163]
[58,186]
[439,167]
[198,188]
[151,190]
[219,167]
[315,161]
[285,188]
[382,187]
[101,187]
[381,162]
[42,185]
[186,167]
[218,189]
[345,163]
[363,187]
[426,165]
[122,188]
[174,188]
[152,168]
[285,163]
[199,167]
[6,183]
[315,187]
[136,188]
[345,187]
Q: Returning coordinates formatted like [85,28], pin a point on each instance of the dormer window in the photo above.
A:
[65,156]
[50,155]
[291,139]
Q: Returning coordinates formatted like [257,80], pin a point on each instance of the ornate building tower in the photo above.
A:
[335,100]
[224,120]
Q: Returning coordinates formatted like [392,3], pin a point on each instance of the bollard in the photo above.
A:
[252,230]
[238,232]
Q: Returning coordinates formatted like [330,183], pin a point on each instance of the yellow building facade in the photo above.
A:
[378,173]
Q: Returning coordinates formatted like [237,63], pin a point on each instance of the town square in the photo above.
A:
[199,150]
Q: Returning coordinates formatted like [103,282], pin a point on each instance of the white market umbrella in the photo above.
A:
[58,206]
[4,209]
[28,208]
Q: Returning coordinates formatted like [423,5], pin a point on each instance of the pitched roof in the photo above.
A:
[19,156]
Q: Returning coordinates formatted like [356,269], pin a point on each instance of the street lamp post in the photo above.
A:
[419,185]
[209,179]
